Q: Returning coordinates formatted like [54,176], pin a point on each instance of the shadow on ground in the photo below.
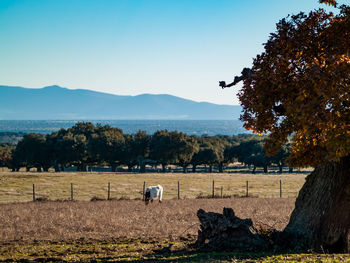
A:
[141,250]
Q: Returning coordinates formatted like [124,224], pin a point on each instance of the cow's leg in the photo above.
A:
[160,195]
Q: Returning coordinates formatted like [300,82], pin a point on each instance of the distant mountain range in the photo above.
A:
[57,103]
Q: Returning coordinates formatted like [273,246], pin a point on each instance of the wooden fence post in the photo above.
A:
[109,191]
[221,191]
[143,191]
[71,192]
[178,189]
[33,192]
[213,189]
[247,189]
[280,188]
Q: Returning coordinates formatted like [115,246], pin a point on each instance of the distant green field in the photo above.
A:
[18,186]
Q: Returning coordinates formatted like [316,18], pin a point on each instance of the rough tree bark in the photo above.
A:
[227,232]
[321,218]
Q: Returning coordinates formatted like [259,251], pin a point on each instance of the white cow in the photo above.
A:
[154,192]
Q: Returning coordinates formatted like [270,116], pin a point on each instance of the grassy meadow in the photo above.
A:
[18,186]
[124,229]
[129,231]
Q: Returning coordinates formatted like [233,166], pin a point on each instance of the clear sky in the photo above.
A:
[130,47]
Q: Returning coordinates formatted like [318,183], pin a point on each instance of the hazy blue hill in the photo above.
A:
[57,103]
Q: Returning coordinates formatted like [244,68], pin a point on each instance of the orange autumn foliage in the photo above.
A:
[329,2]
[300,87]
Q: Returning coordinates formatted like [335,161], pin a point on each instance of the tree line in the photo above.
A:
[85,145]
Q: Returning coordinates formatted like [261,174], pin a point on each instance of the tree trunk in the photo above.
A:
[280,166]
[321,218]
[57,168]
[290,169]
[254,168]
[265,169]
[163,167]
[210,168]
[194,168]
[82,167]
[130,167]
[226,232]
[38,169]
[142,168]
[221,170]
[184,169]
[113,168]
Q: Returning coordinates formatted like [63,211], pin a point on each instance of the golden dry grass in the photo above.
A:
[121,230]
[17,187]
[104,220]
[127,230]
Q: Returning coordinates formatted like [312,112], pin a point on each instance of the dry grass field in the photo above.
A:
[18,187]
[126,230]
[105,220]
[122,229]
[129,231]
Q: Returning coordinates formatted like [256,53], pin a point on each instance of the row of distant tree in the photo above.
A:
[11,137]
[85,145]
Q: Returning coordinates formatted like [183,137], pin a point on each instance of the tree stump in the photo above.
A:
[227,232]
[320,220]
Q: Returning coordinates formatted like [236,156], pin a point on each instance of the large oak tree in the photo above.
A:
[300,87]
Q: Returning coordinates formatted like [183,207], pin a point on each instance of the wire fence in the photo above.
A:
[217,191]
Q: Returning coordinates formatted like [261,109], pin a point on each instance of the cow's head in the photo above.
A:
[147,197]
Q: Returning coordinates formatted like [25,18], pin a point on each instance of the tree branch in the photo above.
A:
[246,74]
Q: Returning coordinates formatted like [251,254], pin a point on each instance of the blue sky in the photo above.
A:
[181,47]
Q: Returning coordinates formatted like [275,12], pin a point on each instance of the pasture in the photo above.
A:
[18,186]
[122,230]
